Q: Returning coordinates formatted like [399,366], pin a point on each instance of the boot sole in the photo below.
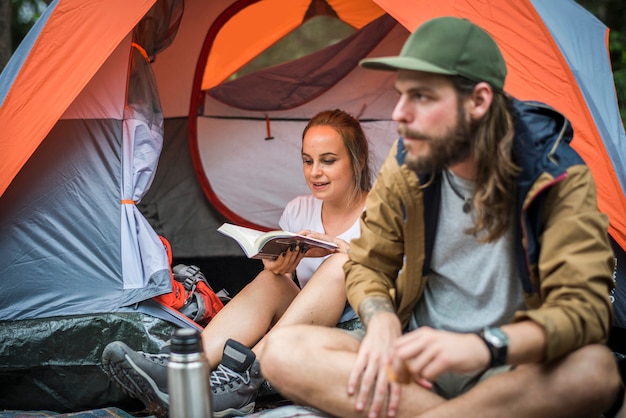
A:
[122,370]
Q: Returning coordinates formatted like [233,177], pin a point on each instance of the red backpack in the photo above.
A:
[191,293]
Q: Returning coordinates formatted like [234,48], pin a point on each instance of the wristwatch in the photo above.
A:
[498,344]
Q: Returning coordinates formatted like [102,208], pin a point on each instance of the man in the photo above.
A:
[482,242]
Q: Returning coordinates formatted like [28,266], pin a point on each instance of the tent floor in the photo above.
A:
[273,406]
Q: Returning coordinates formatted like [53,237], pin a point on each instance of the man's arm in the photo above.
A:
[426,353]
[376,257]
[527,342]
[575,268]
[368,380]
[377,254]
[373,305]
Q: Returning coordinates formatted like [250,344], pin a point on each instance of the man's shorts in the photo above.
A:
[451,385]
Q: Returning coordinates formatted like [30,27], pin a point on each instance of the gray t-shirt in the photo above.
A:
[472,284]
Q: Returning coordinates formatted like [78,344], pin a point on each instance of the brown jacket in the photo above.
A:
[567,278]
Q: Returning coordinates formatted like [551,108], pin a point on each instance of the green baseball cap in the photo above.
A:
[448,45]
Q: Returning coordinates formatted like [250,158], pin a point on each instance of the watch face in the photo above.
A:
[496,337]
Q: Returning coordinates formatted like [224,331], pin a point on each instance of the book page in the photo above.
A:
[257,244]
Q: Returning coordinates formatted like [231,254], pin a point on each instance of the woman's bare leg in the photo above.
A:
[320,302]
[248,316]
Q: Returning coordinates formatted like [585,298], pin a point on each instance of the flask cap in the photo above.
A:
[186,341]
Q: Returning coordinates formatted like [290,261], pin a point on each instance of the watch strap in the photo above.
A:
[498,353]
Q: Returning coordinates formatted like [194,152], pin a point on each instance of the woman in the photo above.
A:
[336,166]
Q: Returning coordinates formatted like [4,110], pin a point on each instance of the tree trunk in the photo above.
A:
[5,33]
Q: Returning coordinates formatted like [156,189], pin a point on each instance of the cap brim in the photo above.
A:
[402,63]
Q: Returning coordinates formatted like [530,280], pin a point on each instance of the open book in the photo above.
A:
[258,244]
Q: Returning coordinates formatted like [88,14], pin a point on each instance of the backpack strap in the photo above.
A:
[189,276]
[191,293]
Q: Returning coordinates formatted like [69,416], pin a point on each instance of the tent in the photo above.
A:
[122,120]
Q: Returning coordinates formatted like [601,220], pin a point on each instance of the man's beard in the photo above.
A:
[446,150]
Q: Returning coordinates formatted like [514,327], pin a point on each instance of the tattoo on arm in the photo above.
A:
[372,305]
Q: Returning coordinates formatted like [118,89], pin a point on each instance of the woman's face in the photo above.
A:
[326,164]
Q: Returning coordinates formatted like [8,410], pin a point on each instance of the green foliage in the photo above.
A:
[24,14]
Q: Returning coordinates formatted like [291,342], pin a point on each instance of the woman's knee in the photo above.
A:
[337,260]
[330,272]
[277,282]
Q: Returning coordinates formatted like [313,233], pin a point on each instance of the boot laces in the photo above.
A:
[161,359]
[224,375]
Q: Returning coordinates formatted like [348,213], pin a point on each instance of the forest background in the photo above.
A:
[17,17]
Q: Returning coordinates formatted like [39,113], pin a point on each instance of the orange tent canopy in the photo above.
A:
[75,39]
[261,24]
[66,54]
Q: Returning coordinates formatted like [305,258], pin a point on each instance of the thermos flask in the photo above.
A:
[188,377]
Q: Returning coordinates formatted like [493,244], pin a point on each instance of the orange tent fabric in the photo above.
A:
[78,37]
[77,40]
[261,24]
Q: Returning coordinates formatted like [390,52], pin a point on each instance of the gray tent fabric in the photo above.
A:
[60,232]
[142,139]
[80,263]
[158,28]
[290,411]
[72,238]
[176,206]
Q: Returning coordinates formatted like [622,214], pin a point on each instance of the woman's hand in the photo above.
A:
[286,262]
[342,246]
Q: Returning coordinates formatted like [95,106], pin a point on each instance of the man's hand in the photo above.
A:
[426,353]
[368,381]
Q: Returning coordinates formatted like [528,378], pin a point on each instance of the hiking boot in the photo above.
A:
[140,375]
[236,381]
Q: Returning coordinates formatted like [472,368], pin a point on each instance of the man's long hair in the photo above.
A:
[496,175]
